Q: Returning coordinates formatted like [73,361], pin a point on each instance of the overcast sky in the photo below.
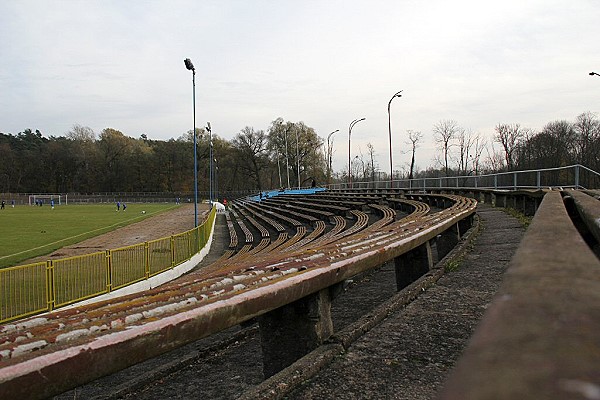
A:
[119,64]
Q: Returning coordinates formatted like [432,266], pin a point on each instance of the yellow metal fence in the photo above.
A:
[35,288]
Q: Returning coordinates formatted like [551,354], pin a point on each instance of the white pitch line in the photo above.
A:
[81,234]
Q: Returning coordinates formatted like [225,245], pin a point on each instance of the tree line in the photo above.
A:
[287,154]
[86,162]
[514,147]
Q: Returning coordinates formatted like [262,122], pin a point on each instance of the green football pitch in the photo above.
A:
[30,231]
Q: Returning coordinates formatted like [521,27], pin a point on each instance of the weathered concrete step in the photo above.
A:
[410,353]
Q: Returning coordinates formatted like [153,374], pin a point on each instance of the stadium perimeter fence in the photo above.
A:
[44,286]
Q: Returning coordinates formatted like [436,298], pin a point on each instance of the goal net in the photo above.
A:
[58,199]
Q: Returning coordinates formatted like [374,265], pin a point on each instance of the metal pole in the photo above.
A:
[287,163]
[279,170]
[397,94]
[349,136]
[190,67]
[216,179]
[297,157]
[210,169]
[195,152]
[330,151]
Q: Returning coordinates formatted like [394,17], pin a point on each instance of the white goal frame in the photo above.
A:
[59,199]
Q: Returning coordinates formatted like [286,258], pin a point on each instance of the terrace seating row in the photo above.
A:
[321,204]
[282,236]
[388,215]
[118,333]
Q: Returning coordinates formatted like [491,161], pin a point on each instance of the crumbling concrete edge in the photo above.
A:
[282,383]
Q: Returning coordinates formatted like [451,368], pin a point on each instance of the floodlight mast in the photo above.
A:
[210,154]
[190,67]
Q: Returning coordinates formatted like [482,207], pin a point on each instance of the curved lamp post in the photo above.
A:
[190,67]
[329,153]
[397,94]
[297,157]
[349,136]
[594,73]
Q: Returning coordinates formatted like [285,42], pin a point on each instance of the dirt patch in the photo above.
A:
[164,224]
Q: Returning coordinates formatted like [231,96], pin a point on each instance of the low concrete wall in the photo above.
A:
[155,280]
[540,338]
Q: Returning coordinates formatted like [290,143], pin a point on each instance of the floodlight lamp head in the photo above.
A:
[188,64]
[208,127]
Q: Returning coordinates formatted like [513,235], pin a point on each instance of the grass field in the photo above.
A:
[30,231]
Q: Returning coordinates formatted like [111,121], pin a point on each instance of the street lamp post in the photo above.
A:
[287,162]
[298,157]
[210,169]
[279,169]
[216,179]
[349,136]
[329,154]
[190,67]
[397,94]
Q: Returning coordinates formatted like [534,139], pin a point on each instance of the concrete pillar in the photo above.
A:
[465,224]
[292,331]
[487,198]
[412,265]
[500,200]
[447,240]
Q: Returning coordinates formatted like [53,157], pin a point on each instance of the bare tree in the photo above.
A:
[510,137]
[81,133]
[251,147]
[371,154]
[478,146]
[587,131]
[495,159]
[443,134]
[414,138]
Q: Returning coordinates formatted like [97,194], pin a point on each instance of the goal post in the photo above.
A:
[59,199]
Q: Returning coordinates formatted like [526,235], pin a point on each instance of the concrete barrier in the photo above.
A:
[540,338]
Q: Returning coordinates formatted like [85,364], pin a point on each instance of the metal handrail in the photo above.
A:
[475,180]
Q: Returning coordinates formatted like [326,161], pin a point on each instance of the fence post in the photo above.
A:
[495,181]
[539,179]
[108,271]
[147,259]
[514,180]
[172,251]
[50,291]
[577,176]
